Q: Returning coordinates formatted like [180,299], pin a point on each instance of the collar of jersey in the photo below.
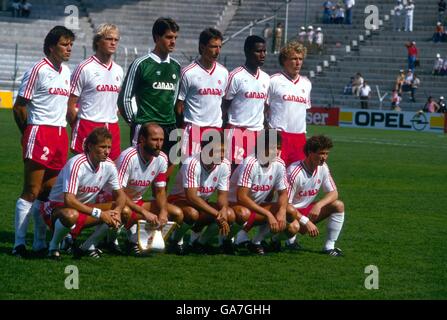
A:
[158,59]
[52,66]
[257,72]
[91,164]
[108,67]
[145,162]
[210,72]
[290,79]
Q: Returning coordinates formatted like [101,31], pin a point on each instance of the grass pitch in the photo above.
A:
[394,188]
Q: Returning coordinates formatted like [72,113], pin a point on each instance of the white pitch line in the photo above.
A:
[414,144]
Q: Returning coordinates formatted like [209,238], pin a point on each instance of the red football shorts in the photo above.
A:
[240,143]
[305,211]
[192,136]
[46,145]
[83,128]
[292,147]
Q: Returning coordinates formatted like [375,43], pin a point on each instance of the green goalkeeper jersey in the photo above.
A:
[154,83]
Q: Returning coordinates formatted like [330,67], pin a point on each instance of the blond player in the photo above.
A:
[40,111]
[202,88]
[306,178]
[95,85]
[288,101]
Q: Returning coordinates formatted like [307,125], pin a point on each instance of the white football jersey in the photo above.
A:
[136,174]
[248,94]
[48,90]
[97,85]
[202,92]
[304,186]
[193,175]
[82,179]
[260,180]
[288,101]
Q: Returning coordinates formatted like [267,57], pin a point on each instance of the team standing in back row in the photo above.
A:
[268,177]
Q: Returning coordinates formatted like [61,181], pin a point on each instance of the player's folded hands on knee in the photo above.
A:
[312,229]
[224,228]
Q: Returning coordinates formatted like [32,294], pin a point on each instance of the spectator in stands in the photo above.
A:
[25,8]
[319,40]
[414,86]
[399,81]
[278,37]
[406,87]
[267,34]
[442,105]
[310,35]
[395,101]
[444,67]
[302,35]
[431,106]
[439,34]
[327,11]
[412,54]
[349,4]
[364,93]
[438,65]
[441,10]
[339,14]
[15,8]
[409,11]
[357,83]
[398,12]
[348,88]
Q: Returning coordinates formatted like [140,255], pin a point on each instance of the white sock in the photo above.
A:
[132,234]
[263,231]
[210,231]
[291,240]
[22,214]
[242,236]
[334,226]
[60,231]
[194,236]
[177,235]
[95,237]
[40,228]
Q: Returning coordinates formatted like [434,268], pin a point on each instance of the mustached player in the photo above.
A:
[40,112]
[72,204]
[139,167]
[202,88]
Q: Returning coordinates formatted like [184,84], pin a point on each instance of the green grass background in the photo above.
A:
[394,185]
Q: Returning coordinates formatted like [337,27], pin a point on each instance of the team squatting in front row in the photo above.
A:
[259,181]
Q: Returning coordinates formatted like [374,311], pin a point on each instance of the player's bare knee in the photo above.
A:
[242,215]
[126,214]
[290,213]
[68,217]
[190,215]
[293,228]
[339,206]
[231,216]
